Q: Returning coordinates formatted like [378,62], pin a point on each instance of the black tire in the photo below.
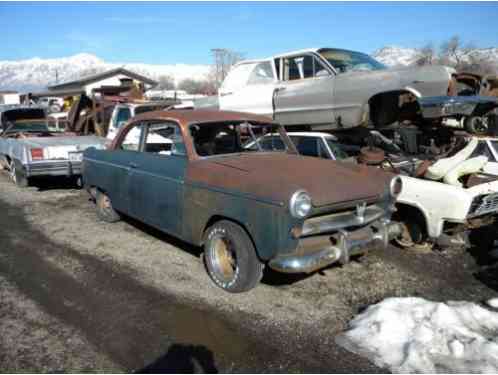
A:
[413,236]
[230,257]
[384,110]
[476,125]
[17,175]
[105,211]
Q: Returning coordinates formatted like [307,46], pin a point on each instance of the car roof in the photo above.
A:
[202,116]
[312,134]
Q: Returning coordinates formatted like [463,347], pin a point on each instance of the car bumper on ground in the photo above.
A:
[54,168]
[316,252]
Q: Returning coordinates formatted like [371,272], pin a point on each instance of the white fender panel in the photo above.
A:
[441,202]
[468,166]
[440,168]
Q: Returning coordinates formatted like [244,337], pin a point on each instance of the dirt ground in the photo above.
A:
[80,295]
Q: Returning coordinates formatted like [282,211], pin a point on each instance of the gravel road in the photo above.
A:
[80,295]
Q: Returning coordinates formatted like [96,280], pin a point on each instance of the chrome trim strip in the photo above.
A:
[334,222]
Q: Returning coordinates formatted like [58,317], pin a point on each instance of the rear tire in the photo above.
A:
[105,211]
[17,175]
[230,258]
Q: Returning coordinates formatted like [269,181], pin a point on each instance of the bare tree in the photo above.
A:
[165,82]
[427,55]
[453,52]
[223,60]
[193,86]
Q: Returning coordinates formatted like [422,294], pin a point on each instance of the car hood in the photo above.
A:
[276,176]
[429,80]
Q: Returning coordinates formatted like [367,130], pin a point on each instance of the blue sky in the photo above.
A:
[184,32]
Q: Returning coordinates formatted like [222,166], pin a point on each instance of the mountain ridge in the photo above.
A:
[36,73]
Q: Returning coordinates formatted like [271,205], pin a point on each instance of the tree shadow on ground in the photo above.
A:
[183,359]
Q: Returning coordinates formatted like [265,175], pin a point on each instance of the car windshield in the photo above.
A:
[345,61]
[495,145]
[28,126]
[233,138]
[337,150]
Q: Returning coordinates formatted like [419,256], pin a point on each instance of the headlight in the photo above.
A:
[300,204]
[395,186]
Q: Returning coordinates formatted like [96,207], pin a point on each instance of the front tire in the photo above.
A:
[105,211]
[476,125]
[230,258]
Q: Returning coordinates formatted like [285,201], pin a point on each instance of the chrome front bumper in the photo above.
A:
[316,252]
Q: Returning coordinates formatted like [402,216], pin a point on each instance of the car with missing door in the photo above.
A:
[331,88]
[247,207]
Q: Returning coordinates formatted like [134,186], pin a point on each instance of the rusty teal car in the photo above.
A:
[247,207]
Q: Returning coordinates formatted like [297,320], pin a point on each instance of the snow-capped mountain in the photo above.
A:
[399,56]
[36,74]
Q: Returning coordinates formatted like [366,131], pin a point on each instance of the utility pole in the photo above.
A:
[219,63]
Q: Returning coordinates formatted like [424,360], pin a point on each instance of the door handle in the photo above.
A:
[226,93]
[282,88]
[133,165]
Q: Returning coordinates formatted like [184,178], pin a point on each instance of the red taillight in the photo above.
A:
[36,154]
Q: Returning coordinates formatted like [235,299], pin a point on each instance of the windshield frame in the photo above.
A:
[280,130]
[377,63]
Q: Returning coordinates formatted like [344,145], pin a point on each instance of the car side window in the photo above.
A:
[482,149]
[123,115]
[307,146]
[302,67]
[262,73]
[131,141]
[164,138]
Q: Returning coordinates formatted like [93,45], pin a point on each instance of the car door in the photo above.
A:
[114,166]
[305,92]
[249,88]
[156,177]
[120,116]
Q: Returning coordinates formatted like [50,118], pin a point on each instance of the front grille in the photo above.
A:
[484,204]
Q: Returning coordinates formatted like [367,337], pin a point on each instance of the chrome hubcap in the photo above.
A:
[223,257]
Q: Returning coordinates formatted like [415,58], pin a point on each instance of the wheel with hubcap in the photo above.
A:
[17,176]
[476,125]
[230,257]
[105,211]
[413,236]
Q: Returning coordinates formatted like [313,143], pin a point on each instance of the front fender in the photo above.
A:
[436,201]
[266,223]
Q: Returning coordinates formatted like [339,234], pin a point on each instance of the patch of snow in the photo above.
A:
[493,302]
[413,335]
[401,56]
